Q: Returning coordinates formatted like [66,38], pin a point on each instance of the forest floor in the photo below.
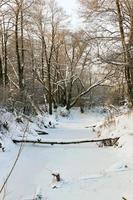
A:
[87,171]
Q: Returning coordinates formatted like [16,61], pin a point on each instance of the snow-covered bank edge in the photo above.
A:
[118,126]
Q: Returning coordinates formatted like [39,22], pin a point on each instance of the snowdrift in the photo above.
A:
[118,126]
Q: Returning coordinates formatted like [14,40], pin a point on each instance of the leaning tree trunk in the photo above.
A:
[126,49]
[129,79]
[130,61]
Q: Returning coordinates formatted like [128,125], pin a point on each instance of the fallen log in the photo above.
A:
[91,126]
[39,141]
[1,147]
[39,132]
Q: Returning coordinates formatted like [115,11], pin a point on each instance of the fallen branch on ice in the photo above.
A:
[56,176]
[109,141]
[39,132]
[91,126]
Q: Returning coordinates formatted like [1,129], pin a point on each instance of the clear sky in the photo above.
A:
[71,8]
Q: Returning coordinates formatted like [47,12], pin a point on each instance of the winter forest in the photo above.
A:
[66,99]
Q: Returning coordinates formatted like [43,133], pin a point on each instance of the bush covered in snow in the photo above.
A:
[62,111]
[45,121]
[18,126]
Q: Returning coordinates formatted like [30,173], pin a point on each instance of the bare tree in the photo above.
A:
[116,39]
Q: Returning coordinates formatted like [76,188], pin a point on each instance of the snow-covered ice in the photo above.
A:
[87,171]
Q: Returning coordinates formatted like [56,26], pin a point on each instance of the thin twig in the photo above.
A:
[14,164]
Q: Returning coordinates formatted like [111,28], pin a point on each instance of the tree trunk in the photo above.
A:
[50,90]
[126,49]
[1,72]
[42,59]
[5,63]
[20,68]
[69,96]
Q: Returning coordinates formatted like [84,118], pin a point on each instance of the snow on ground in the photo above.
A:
[119,126]
[87,171]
